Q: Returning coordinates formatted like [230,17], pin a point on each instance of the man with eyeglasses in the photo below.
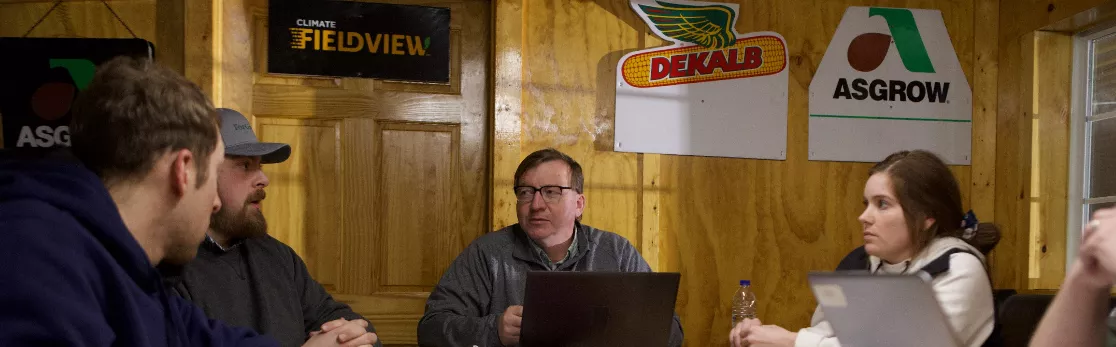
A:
[478,301]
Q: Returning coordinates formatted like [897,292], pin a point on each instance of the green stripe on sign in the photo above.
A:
[893,118]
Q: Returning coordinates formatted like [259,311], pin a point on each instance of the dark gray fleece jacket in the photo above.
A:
[490,275]
[260,284]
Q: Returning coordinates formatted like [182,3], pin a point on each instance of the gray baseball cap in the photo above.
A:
[241,140]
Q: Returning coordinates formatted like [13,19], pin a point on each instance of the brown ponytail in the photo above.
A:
[927,189]
[984,238]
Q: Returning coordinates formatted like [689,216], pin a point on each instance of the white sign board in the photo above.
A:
[890,81]
[713,92]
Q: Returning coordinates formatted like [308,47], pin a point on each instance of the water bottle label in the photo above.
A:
[830,295]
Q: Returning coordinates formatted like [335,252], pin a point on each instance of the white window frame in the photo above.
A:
[1077,209]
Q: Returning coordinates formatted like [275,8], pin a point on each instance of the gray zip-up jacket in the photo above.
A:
[490,275]
[261,284]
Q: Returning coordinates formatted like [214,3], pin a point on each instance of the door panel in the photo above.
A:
[418,172]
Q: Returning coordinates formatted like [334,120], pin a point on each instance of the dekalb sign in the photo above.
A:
[712,91]
[890,80]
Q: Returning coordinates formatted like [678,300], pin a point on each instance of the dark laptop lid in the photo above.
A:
[598,308]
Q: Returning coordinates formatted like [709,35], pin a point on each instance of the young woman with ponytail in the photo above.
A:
[912,222]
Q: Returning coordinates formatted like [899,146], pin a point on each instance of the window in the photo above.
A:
[1092,181]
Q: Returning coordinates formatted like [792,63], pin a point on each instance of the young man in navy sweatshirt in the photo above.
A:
[81,240]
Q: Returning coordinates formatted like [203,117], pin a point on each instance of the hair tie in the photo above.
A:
[969,224]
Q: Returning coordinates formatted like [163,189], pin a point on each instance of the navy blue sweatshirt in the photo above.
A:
[73,275]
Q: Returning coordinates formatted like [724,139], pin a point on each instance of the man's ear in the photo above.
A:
[182,171]
[580,205]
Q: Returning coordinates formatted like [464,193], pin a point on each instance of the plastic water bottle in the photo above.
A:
[743,303]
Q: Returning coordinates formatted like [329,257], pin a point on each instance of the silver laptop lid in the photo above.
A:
[881,310]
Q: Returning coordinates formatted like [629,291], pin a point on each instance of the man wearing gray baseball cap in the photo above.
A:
[240,140]
[242,275]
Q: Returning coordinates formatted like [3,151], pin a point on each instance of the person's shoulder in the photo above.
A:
[495,241]
[29,208]
[270,247]
[965,273]
[965,262]
[268,242]
[604,237]
[857,259]
[497,238]
[48,245]
[30,221]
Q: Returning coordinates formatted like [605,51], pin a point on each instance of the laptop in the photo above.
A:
[598,309]
[868,310]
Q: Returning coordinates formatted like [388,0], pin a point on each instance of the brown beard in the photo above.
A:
[246,223]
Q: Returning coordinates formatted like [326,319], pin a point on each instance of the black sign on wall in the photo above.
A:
[41,77]
[358,39]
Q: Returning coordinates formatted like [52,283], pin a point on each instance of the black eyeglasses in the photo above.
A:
[549,193]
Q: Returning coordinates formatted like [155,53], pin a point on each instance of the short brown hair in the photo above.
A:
[135,111]
[927,189]
[577,179]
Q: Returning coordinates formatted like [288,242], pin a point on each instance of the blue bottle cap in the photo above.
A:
[745,282]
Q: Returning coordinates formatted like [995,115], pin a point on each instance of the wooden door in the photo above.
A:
[387,181]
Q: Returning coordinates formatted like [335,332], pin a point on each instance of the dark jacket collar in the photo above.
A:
[523,250]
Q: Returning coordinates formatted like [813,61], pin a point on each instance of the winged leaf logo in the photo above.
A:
[703,46]
[704,25]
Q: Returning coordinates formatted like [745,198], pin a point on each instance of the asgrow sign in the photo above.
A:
[890,80]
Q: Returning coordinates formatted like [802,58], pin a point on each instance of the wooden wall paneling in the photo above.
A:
[983,188]
[508,25]
[1021,17]
[1011,252]
[233,63]
[170,31]
[1053,83]
[773,235]
[983,175]
[1101,12]
[650,234]
[198,31]
[1013,123]
[1013,146]
[87,19]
